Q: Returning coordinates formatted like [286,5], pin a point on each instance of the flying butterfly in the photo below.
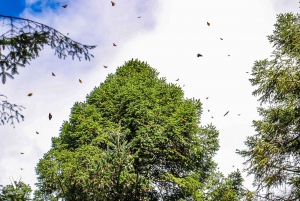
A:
[247,72]
[105,66]
[37,132]
[50,116]
[30,94]
[212,117]
[21,152]
[221,38]
[199,55]
[208,24]
[239,114]
[139,16]
[22,168]
[114,44]
[53,74]
[80,81]
[206,97]
[229,55]
[226,113]
[208,110]
[177,79]
[65,6]
[113,3]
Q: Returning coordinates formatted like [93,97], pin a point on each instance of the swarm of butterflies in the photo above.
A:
[80,81]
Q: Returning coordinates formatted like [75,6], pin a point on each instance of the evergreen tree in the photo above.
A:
[21,192]
[134,138]
[273,153]
[22,41]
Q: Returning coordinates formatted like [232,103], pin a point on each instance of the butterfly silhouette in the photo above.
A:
[22,152]
[221,38]
[30,94]
[105,66]
[206,97]
[139,16]
[229,55]
[177,79]
[80,81]
[208,24]
[53,74]
[65,6]
[114,44]
[199,55]
[37,132]
[226,113]
[50,116]
[113,3]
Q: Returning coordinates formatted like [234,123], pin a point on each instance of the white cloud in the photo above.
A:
[168,36]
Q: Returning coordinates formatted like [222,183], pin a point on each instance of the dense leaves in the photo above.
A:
[21,192]
[273,153]
[135,138]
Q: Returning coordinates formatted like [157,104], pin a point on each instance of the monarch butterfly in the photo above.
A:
[177,79]
[114,44]
[208,24]
[199,55]
[80,81]
[105,66]
[50,116]
[113,3]
[30,94]
[65,6]
[53,74]
[226,113]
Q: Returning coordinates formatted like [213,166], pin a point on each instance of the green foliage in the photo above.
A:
[25,38]
[20,193]
[273,153]
[136,137]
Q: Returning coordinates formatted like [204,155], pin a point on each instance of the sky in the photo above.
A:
[168,36]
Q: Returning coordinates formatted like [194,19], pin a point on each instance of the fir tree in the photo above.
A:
[159,151]
[273,152]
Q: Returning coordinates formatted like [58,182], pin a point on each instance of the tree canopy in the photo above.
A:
[273,155]
[136,137]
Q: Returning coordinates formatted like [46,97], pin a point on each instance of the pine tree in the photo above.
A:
[273,153]
[21,192]
[134,138]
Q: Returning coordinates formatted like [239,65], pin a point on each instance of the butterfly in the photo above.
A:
[67,33]
[50,116]
[206,97]
[53,74]
[183,85]
[80,81]
[101,83]
[65,6]
[208,24]
[221,38]
[37,132]
[177,79]
[114,44]
[226,113]
[113,3]
[239,114]
[247,72]
[208,110]
[22,152]
[105,66]
[139,16]
[30,94]
[198,121]
[199,55]
[229,55]
[212,117]
[22,168]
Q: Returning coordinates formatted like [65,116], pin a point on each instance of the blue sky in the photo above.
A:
[168,36]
